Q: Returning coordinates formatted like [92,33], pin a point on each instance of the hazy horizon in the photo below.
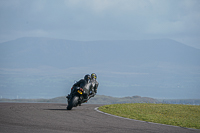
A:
[47,68]
[144,47]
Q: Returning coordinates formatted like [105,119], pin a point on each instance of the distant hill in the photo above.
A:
[46,68]
[101,99]
[98,99]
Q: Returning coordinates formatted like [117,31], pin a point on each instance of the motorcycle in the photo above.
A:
[78,96]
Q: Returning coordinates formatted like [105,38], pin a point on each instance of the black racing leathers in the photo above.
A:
[90,88]
[81,83]
[85,85]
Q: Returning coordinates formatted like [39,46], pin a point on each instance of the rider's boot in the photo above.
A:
[68,96]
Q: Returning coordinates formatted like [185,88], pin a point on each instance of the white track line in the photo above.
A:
[97,109]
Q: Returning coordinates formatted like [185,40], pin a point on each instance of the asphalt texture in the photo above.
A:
[54,118]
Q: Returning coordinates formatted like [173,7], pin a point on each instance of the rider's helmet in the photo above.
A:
[87,77]
[93,76]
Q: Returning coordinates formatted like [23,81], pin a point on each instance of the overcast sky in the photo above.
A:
[101,19]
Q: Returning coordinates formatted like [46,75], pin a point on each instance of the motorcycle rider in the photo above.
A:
[83,83]
[95,85]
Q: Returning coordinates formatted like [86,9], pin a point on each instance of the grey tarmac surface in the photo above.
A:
[54,118]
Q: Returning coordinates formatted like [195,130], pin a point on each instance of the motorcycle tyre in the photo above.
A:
[73,103]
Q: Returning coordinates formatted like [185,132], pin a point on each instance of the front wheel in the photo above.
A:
[73,103]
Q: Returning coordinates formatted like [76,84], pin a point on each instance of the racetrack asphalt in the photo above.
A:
[54,118]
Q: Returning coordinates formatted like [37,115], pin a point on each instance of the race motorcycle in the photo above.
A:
[78,96]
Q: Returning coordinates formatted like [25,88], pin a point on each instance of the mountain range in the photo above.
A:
[45,67]
[35,52]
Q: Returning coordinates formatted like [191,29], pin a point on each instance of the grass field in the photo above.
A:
[170,114]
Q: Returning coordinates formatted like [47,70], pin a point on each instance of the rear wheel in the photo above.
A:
[73,103]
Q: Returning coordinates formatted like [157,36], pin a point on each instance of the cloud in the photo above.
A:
[102,19]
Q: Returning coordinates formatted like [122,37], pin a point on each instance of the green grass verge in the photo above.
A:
[170,114]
